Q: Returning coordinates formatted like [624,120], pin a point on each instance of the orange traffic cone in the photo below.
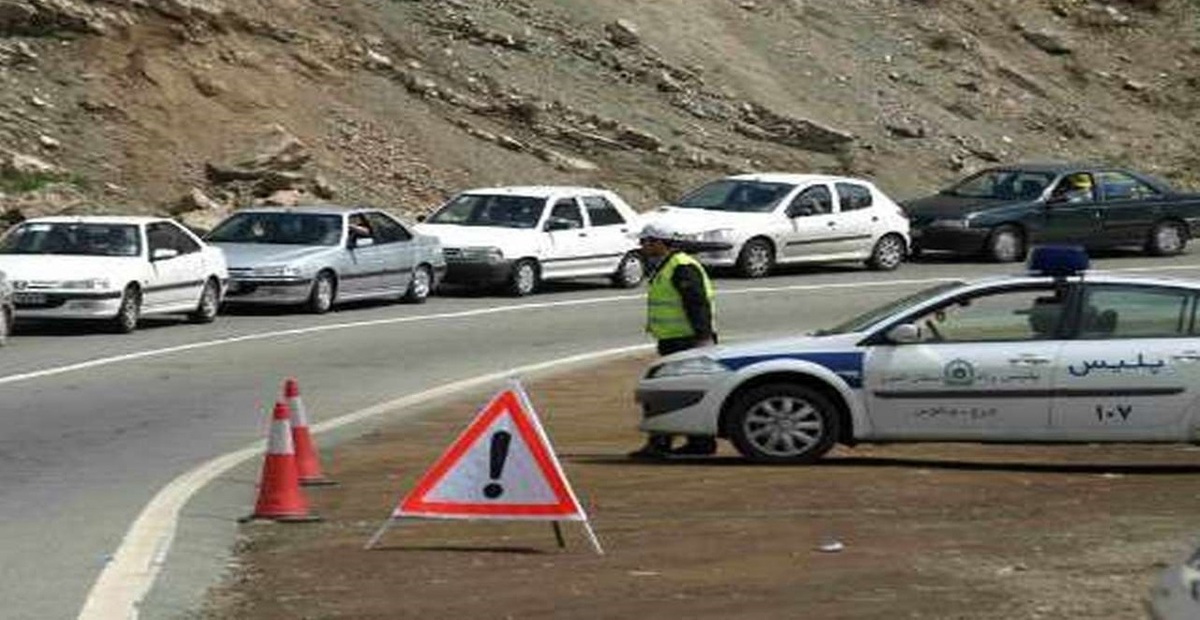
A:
[279,494]
[308,459]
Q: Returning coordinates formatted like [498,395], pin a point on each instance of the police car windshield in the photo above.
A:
[871,317]
[735,195]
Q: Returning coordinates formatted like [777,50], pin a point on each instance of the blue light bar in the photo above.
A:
[1058,260]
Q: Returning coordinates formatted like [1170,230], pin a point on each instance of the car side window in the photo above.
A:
[815,200]
[565,214]
[386,229]
[359,227]
[1074,188]
[602,212]
[1004,316]
[852,196]
[1121,186]
[159,237]
[1114,311]
[181,240]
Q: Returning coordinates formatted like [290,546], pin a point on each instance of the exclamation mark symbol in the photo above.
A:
[499,453]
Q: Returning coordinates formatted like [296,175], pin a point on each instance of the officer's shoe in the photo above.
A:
[697,446]
[657,447]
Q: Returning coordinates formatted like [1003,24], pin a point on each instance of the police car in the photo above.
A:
[1056,355]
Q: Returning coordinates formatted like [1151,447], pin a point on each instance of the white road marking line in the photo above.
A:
[128,577]
[129,357]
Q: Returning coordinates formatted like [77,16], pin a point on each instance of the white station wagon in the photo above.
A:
[520,236]
[112,268]
[1055,356]
[752,222]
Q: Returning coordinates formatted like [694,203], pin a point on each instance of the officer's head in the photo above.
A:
[656,241]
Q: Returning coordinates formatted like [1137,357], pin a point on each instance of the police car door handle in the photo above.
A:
[1029,360]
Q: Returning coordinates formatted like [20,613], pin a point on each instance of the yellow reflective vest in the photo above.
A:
[665,316]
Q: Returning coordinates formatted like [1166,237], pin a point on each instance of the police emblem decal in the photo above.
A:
[958,372]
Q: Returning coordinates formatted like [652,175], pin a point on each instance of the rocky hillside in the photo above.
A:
[194,107]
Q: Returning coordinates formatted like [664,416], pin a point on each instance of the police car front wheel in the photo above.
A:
[782,423]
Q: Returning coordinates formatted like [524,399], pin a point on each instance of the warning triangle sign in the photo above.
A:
[500,467]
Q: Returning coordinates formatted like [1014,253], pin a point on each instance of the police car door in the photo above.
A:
[1134,369]
[981,368]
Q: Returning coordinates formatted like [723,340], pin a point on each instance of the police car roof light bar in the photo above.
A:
[1058,261]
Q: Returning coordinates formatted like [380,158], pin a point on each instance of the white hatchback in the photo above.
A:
[754,221]
[111,268]
[520,236]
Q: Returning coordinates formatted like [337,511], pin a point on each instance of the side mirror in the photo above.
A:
[558,223]
[904,333]
[800,211]
[163,254]
[359,242]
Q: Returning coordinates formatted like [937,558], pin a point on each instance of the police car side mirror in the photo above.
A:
[904,333]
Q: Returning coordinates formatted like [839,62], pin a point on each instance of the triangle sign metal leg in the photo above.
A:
[558,535]
[379,533]
[587,527]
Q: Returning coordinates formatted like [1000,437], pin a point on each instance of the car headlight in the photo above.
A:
[959,223]
[277,271]
[90,284]
[723,234]
[701,365]
[483,253]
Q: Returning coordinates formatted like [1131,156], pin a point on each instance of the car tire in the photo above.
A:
[5,326]
[524,279]
[1006,244]
[782,423]
[210,302]
[756,259]
[1167,238]
[323,293]
[630,272]
[420,286]
[129,312]
[888,253]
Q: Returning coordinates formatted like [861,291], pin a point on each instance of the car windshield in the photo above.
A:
[279,228]
[735,195]
[1003,185]
[84,239]
[871,317]
[490,210]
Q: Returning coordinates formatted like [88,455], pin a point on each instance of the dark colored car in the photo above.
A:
[1000,212]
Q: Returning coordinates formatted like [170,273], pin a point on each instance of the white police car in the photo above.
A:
[1057,355]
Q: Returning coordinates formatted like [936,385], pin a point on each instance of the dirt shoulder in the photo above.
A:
[929,531]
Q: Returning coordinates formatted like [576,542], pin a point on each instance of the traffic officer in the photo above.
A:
[680,316]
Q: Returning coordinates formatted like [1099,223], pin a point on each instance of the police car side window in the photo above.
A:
[1114,311]
[1006,316]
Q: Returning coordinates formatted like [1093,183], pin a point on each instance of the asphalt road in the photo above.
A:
[85,443]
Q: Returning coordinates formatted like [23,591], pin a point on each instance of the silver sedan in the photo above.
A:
[318,256]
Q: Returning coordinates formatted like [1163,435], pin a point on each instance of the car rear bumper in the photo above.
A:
[265,291]
[957,240]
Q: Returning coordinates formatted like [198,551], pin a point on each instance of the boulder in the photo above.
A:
[194,200]
[623,33]
[13,163]
[1049,41]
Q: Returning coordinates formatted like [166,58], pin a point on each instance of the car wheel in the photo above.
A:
[756,259]
[630,272]
[888,253]
[5,325]
[1006,244]
[324,291]
[130,311]
[524,279]
[782,423]
[206,308]
[1166,239]
[420,285]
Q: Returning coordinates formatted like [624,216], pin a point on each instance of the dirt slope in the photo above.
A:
[400,103]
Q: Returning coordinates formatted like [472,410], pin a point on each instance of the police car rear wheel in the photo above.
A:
[782,423]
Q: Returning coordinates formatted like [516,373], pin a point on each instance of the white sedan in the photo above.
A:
[1053,357]
[518,237]
[115,269]
[754,221]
